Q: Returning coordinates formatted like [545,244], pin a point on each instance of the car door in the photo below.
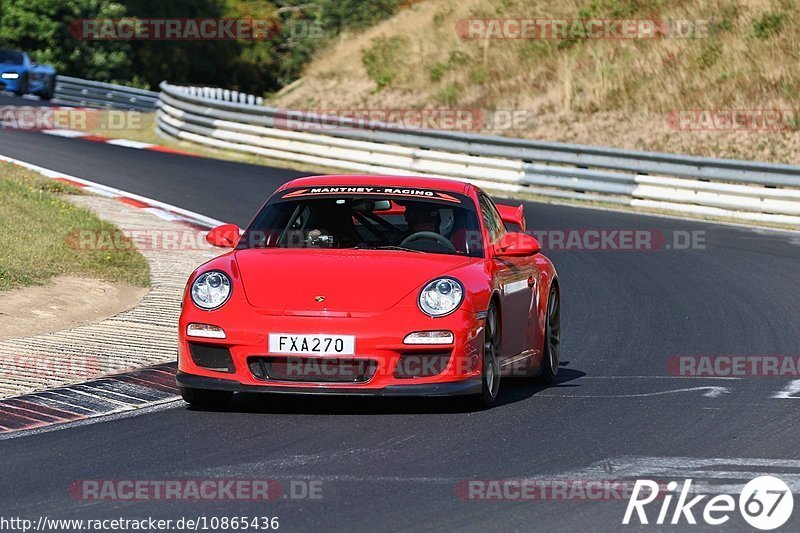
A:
[515,275]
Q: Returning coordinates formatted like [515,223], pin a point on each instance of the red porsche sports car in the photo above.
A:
[370,285]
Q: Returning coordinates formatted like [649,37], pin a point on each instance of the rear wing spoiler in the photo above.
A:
[513,215]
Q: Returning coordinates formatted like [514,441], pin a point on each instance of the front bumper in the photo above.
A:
[379,345]
[10,85]
[453,388]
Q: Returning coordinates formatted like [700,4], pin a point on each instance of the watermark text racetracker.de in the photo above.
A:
[15,118]
[734,366]
[447,119]
[67,365]
[198,29]
[174,29]
[143,239]
[582,29]
[619,239]
[550,240]
[208,489]
[722,120]
[533,489]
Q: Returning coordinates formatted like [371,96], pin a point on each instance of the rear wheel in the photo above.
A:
[205,397]
[490,377]
[552,338]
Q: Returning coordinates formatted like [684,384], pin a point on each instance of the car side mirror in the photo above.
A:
[514,215]
[517,245]
[224,236]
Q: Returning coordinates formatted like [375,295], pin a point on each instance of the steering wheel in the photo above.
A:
[428,236]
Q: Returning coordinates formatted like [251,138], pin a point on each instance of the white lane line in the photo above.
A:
[127,143]
[791,392]
[71,134]
[659,377]
[704,470]
[192,216]
[711,392]
[99,191]
[160,213]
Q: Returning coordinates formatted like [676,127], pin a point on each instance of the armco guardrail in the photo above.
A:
[224,95]
[692,185]
[87,93]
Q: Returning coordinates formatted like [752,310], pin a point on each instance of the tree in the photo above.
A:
[42,28]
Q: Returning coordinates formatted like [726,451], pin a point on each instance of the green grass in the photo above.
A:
[37,235]
[769,24]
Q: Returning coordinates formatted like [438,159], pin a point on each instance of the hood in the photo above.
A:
[359,281]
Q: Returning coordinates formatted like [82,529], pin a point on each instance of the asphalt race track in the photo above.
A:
[615,410]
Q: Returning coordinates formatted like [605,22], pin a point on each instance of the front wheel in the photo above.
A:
[205,397]
[552,338]
[490,376]
[22,86]
[49,91]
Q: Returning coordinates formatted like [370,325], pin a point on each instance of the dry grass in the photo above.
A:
[603,92]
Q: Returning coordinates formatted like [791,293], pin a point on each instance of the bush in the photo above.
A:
[769,24]
[382,58]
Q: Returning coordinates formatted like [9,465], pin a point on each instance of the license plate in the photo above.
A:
[287,343]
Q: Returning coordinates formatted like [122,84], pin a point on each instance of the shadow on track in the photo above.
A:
[512,390]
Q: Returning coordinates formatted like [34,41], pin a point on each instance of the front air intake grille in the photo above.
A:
[212,357]
[421,364]
[310,369]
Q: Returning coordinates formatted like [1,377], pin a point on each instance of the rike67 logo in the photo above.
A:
[765,503]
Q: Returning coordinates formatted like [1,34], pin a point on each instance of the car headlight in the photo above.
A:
[10,75]
[211,289]
[441,297]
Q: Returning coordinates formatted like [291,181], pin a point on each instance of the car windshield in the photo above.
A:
[10,57]
[439,223]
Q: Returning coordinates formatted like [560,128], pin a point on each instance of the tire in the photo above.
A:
[490,373]
[22,87]
[49,92]
[552,339]
[205,397]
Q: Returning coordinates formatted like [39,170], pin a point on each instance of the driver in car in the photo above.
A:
[424,224]
[421,217]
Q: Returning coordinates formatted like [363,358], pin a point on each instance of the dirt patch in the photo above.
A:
[65,302]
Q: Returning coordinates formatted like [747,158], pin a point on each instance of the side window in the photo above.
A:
[491,218]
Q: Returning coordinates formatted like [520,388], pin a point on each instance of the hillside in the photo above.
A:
[660,92]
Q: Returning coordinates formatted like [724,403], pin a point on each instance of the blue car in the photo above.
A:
[20,75]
